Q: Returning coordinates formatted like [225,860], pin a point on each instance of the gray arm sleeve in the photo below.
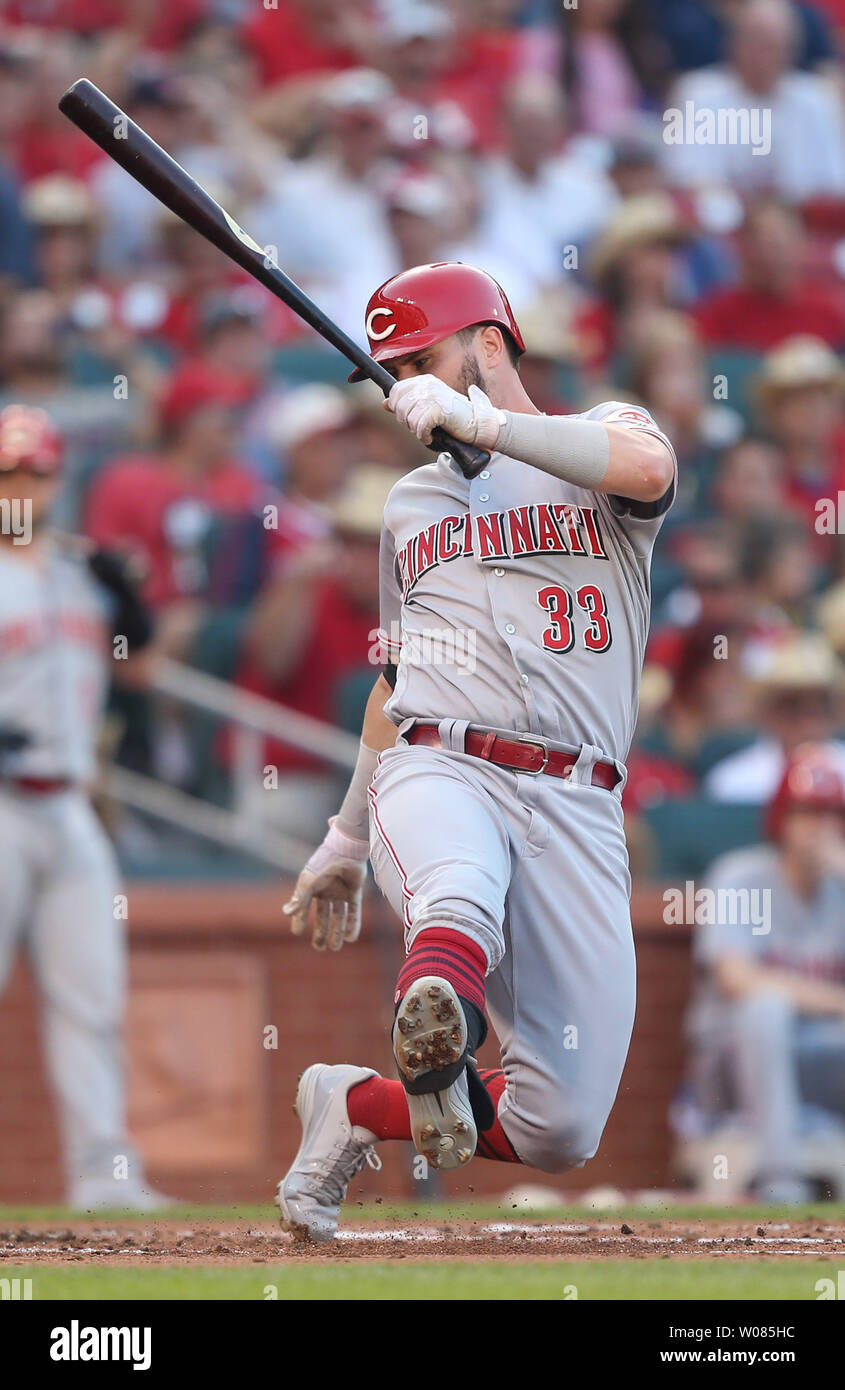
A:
[578,451]
[353,818]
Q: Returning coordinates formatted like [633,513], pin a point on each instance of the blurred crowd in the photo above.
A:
[214,438]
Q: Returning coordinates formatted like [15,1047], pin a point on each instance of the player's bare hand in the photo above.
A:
[829,849]
[328,892]
[424,402]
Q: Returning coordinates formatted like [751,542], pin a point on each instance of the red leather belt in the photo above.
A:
[41,785]
[518,754]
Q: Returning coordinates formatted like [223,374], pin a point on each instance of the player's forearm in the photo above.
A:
[809,996]
[279,627]
[378,733]
[739,978]
[604,458]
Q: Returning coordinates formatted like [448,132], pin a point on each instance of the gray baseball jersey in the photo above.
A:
[520,602]
[758,1053]
[57,866]
[54,655]
[517,599]
[758,914]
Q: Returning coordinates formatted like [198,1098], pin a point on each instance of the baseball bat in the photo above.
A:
[130,146]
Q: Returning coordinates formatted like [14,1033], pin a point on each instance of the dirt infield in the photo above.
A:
[169,1242]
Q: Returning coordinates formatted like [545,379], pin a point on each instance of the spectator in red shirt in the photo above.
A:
[311,644]
[64,216]
[155,23]
[709,706]
[637,268]
[159,506]
[298,37]
[44,141]
[315,428]
[487,52]
[670,375]
[800,388]
[197,272]
[775,299]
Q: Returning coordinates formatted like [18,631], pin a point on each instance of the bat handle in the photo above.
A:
[469,459]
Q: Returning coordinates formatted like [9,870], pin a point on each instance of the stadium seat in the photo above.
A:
[692,832]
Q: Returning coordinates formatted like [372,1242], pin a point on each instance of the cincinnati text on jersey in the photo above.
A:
[538,528]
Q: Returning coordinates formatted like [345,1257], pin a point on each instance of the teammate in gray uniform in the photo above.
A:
[515,610]
[58,611]
[768,1018]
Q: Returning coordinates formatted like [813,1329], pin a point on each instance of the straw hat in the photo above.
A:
[59,201]
[796,362]
[805,661]
[359,509]
[831,616]
[310,410]
[645,218]
[548,326]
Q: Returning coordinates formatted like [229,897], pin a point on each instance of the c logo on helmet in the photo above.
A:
[385,332]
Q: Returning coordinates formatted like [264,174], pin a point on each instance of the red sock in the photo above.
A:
[494,1143]
[381,1106]
[450,954]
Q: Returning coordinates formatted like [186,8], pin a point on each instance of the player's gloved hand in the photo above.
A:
[424,402]
[333,881]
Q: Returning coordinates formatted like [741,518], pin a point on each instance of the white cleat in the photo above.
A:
[429,1034]
[332,1151]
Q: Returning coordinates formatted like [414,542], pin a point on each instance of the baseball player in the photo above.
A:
[59,606]
[768,1019]
[514,614]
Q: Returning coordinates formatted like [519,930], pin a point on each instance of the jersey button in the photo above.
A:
[499,573]
[524,678]
[485,473]
[509,627]
[484,497]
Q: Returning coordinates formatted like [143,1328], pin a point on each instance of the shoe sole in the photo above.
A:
[430,1034]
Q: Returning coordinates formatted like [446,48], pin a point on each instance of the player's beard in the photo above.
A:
[471,375]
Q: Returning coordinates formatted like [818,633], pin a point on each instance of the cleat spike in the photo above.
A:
[464,1155]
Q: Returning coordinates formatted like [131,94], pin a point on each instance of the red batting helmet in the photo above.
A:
[29,439]
[422,306]
[812,780]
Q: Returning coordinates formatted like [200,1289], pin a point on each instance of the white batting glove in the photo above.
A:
[333,880]
[424,402]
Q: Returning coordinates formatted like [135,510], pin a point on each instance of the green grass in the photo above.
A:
[386,1213]
[350,1277]
[623,1280]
